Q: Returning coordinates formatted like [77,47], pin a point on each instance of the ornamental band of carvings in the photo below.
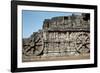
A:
[60,36]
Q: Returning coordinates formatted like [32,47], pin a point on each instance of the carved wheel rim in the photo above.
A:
[83,43]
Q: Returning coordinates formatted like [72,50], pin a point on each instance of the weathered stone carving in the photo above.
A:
[60,36]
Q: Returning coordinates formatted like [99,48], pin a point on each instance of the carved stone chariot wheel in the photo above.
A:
[32,49]
[83,43]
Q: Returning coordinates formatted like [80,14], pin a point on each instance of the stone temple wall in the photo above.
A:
[66,43]
[74,21]
[60,36]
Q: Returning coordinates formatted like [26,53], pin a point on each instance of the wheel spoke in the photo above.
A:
[79,47]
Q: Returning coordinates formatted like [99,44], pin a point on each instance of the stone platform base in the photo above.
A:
[53,58]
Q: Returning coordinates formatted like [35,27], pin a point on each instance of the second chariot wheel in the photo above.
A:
[83,43]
